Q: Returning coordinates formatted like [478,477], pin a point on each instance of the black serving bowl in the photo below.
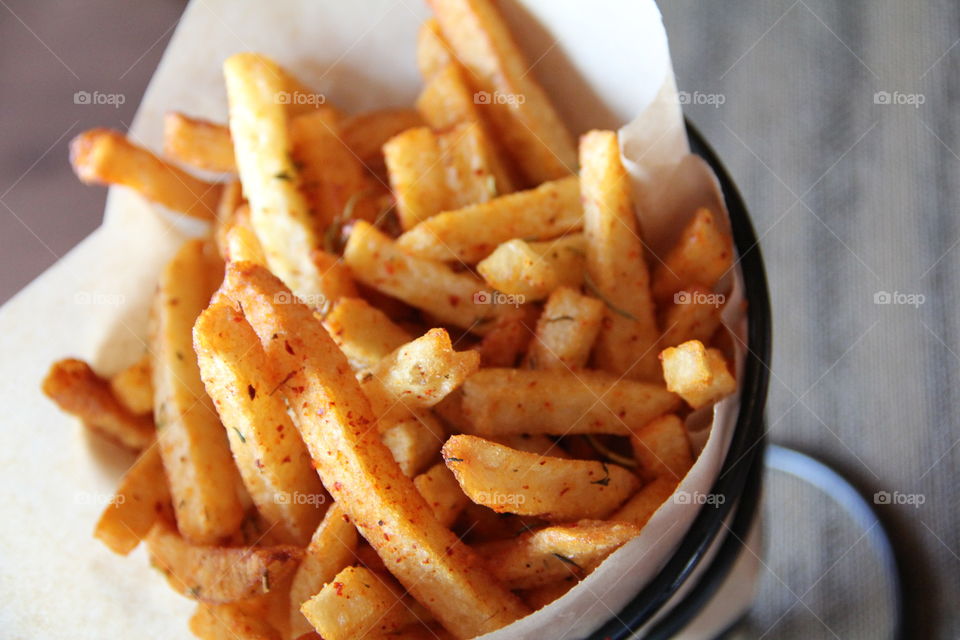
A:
[740,477]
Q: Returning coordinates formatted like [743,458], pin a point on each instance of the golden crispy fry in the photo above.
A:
[331,549]
[338,427]
[539,597]
[334,280]
[508,338]
[472,233]
[366,133]
[239,240]
[204,480]
[76,389]
[272,459]
[132,387]
[546,556]
[423,372]
[455,298]
[142,497]
[414,437]
[332,178]
[198,143]
[278,210]
[509,401]
[364,333]
[703,253]
[433,52]
[218,574]
[233,621]
[536,443]
[616,266]
[516,104]
[439,488]
[466,156]
[697,374]
[662,448]
[101,156]
[535,269]
[566,331]
[694,316]
[555,489]
[358,604]
[417,175]
[644,503]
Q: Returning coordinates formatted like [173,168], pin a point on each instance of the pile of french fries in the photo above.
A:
[422,375]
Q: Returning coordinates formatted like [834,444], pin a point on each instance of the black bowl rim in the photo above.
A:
[742,464]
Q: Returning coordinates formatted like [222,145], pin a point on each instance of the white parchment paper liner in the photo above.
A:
[603,63]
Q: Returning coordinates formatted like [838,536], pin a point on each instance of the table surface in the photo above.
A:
[835,121]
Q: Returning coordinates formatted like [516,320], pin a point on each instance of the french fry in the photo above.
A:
[233,621]
[566,331]
[217,575]
[644,503]
[198,143]
[468,158]
[337,423]
[334,280]
[272,459]
[698,375]
[239,240]
[555,489]
[439,488]
[508,338]
[455,298]
[101,156]
[278,211]
[694,316]
[424,371]
[703,253]
[539,597]
[358,604]
[417,175]
[76,389]
[470,234]
[536,443]
[413,437]
[626,344]
[501,402]
[662,448]
[331,177]
[204,480]
[142,497]
[363,332]
[366,133]
[132,388]
[552,554]
[535,269]
[531,129]
[433,52]
[331,549]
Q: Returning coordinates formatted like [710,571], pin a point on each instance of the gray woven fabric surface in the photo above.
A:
[853,193]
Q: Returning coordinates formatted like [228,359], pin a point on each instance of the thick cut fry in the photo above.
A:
[334,279]
[198,143]
[76,389]
[101,156]
[414,437]
[132,388]
[616,266]
[272,459]
[501,402]
[142,497]
[233,621]
[543,557]
[467,156]
[508,338]
[333,180]
[331,549]
[417,175]
[535,269]
[218,574]
[472,233]
[662,448]
[204,480]
[519,108]
[695,315]
[240,242]
[644,503]
[423,372]
[701,256]
[433,52]
[555,489]
[278,211]
[455,298]
[566,331]
[698,375]
[358,604]
[539,597]
[356,467]
[364,333]
[439,488]
[366,133]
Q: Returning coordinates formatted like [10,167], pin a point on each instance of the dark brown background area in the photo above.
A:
[851,197]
